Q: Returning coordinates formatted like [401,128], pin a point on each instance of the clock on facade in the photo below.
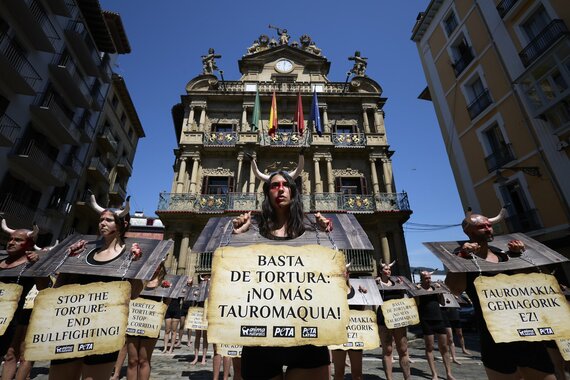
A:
[284,66]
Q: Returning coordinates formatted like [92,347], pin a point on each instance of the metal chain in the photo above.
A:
[528,259]
[474,259]
[126,264]
[24,267]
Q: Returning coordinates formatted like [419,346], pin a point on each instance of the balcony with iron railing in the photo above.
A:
[73,166]
[9,130]
[98,169]
[118,191]
[544,40]
[66,73]
[34,22]
[481,102]
[124,166]
[499,157]
[105,68]
[28,156]
[283,139]
[106,141]
[220,139]
[349,140]
[55,118]
[325,202]
[463,61]
[524,221]
[505,6]
[17,71]
[267,87]
[17,214]
[97,98]
[81,42]
[86,128]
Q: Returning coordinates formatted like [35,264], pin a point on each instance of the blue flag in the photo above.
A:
[316,115]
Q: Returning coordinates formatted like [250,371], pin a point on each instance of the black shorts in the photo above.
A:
[431,327]
[91,359]
[262,363]
[506,357]
[185,306]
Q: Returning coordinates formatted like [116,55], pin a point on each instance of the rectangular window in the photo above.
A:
[285,128]
[217,185]
[351,185]
[450,23]
[222,128]
[345,129]
[536,23]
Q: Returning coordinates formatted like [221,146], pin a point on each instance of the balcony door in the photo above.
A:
[536,23]
[521,217]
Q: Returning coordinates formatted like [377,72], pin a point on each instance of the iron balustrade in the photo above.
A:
[545,39]
[463,61]
[287,139]
[505,6]
[41,17]
[8,128]
[220,138]
[40,159]
[65,61]
[19,62]
[360,260]
[499,157]
[349,139]
[267,87]
[482,101]
[85,126]
[78,27]
[98,165]
[325,202]
[19,214]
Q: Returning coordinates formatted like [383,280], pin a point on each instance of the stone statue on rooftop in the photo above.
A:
[359,68]
[282,33]
[209,62]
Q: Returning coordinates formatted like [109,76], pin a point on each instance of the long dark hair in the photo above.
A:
[267,221]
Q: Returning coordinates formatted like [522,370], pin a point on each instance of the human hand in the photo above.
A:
[516,246]
[325,223]
[136,251]
[77,248]
[241,223]
[362,289]
[468,248]
[32,256]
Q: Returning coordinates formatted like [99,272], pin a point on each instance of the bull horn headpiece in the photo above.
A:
[389,265]
[499,217]
[120,213]
[294,174]
[33,234]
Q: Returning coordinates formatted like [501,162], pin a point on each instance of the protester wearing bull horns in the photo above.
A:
[514,360]
[282,218]
[21,253]
[389,336]
[113,224]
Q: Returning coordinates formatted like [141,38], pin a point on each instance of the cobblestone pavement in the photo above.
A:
[177,365]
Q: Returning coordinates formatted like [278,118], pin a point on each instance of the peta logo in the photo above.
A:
[526,332]
[545,331]
[253,331]
[309,332]
[64,349]
[283,332]
[85,347]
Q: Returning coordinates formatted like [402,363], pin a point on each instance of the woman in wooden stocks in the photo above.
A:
[388,336]
[113,224]
[282,218]
[20,250]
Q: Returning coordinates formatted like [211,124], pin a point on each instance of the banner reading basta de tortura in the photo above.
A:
[278,295]
[78,320]
[523,307]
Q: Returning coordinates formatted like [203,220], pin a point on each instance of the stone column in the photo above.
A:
[380,127]
[330,176]
[238,175]
[318,181]
[191,119]
[194,177]
[387,169]
[170,257]
[244,125]
[376,120]
[375,184]
[181,172]
[385,247]
[202,119]
[365,123]
[251,178]
[183,256]
[327,127]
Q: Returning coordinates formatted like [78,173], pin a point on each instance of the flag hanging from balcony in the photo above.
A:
[315,114]
[273,116]
[256,112]
[300,117]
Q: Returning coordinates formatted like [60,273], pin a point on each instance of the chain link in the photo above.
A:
[24,267]
[126,264]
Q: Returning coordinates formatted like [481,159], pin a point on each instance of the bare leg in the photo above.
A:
[227,363]
[355,364]
[451,345]
[444,351]
[196,346]
[400,336]
[133,363]
[338,359]
[189,338]
[429,343]
[167,330]
[386,340]
[14,352]
[146,346]
[71,370]
[216,364]
[204,346]
[236,363]
[558,362]
[119,363]
[459,332]
[175,323]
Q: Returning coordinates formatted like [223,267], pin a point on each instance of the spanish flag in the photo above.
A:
[273,116]
[299,116]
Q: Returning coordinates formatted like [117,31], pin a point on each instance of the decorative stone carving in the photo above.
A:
[209,62]
[348,172]
[359,68]
[217,172]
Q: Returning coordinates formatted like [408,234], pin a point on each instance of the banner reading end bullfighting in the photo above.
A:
[278,295]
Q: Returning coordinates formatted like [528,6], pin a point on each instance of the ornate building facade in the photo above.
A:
[498,73]
[348,167]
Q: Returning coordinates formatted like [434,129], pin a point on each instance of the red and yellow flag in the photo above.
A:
[300,118]
[273,116]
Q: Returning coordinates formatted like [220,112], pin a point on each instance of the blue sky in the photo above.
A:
[168,38]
